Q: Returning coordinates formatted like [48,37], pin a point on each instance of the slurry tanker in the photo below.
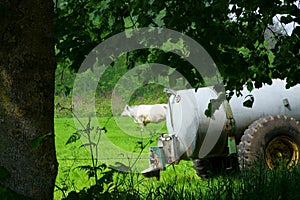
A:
[234,135]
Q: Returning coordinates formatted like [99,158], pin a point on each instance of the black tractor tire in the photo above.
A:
[202,167]
[271,142]
[210,167]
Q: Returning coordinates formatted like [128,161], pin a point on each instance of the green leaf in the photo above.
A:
[208,111]
[74,137]
[296,31]
[233,42]
[249,102]
[4,173]
[89,144]
[286,19]
[35,143]
[249,86]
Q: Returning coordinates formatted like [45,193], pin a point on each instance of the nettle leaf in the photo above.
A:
[90,170]
[249,102]
[74,137]
[89,144]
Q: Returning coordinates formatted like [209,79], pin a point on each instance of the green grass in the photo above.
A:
[179,182]
[121,143]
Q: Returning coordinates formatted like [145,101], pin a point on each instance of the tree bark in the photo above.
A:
[27,72]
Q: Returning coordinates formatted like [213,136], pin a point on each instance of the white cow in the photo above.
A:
[144,114]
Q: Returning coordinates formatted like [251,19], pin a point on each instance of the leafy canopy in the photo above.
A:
[239,35]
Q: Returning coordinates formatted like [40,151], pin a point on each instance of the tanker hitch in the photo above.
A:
[159,156]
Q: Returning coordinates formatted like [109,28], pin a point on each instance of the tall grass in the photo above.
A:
[272,185]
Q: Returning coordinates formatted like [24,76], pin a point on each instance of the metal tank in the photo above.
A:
[232,129]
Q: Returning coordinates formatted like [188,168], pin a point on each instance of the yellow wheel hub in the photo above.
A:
[281,152]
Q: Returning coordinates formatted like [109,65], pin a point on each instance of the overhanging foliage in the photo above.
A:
[233,32]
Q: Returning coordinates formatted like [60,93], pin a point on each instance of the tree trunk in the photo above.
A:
[27,71]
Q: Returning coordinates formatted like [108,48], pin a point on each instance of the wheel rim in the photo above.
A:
[281,152]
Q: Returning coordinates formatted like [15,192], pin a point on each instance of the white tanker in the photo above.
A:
[267,132]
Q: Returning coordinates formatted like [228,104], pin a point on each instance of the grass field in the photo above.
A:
[121,143]
[124,141]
